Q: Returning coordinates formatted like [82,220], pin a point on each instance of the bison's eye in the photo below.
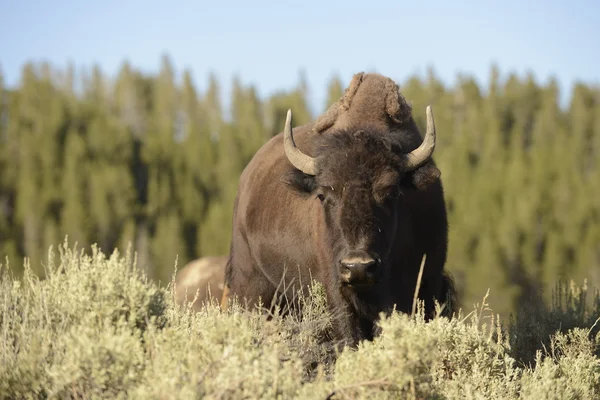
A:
[387,194]
[395,192]
[321,196]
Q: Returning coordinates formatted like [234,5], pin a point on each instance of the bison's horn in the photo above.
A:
[298,159]
[420,155]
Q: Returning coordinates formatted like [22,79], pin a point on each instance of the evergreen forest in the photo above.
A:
[148,160]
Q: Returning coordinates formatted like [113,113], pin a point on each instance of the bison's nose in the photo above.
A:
[357,270]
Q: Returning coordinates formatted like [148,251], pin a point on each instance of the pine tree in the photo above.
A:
[211,239]
[247,123]
[8,245]
[130,105]
[161,153]
[75,219]
[39,113]
[194,176]
[213,107]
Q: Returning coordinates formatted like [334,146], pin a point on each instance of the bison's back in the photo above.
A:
[204,275]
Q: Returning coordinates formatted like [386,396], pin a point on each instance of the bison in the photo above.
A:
[355,208]
[201,276]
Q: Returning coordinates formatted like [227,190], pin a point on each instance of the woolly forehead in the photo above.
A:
[356,155]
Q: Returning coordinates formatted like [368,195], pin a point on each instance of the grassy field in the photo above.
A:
[95,327]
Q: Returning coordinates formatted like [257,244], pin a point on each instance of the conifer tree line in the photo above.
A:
[148,159]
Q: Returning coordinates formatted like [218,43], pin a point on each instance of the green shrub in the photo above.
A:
[535,322]
[95,327]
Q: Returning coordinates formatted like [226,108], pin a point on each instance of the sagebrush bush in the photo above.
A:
[73,329]
[570,369]
[534,324]
[95,327]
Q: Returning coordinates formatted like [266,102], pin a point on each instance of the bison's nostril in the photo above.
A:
[357,270]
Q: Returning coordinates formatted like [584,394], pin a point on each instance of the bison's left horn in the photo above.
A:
[420,155]
[298,159]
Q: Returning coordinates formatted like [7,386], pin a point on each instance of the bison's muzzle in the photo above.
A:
[358,270]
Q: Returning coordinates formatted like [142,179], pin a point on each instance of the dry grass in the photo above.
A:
[96,328]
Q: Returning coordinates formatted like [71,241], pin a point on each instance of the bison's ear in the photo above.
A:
[424,176]
[298,180]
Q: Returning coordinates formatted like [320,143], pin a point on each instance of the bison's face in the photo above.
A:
[359,188]
[359,178]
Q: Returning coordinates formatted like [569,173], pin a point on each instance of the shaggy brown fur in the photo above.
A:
[289,227]
[199,276]
[370,98]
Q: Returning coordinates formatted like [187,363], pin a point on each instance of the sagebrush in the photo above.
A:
[95,327]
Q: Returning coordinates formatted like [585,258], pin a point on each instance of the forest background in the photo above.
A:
[148,159]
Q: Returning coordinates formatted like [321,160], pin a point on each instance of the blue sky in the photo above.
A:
[268,42]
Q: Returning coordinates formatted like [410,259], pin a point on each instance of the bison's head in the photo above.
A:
[361,178]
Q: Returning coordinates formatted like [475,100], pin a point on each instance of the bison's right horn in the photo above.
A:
[298,159]
[420,155]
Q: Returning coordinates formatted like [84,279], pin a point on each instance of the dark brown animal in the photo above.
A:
[202,276]
[353,201]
